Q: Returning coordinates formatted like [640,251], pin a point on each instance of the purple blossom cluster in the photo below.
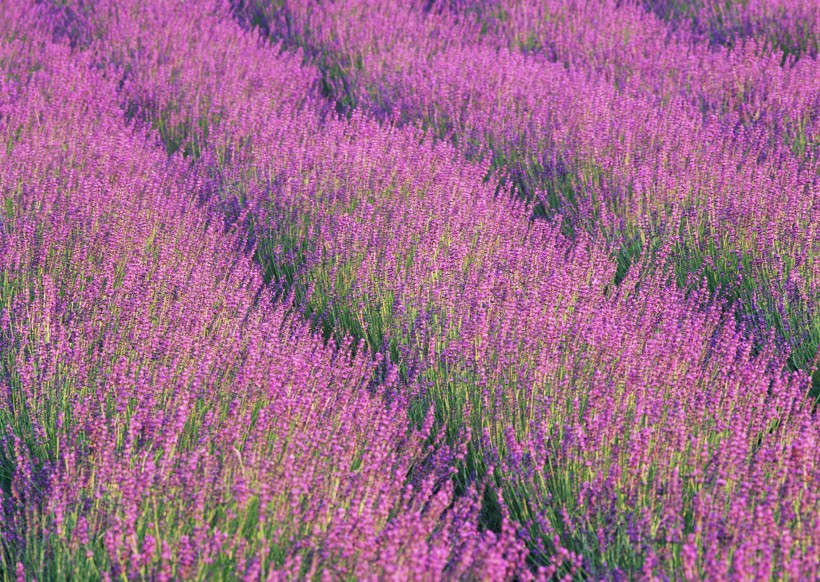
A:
[377,289]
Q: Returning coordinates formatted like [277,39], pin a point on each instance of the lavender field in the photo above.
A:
[409,290]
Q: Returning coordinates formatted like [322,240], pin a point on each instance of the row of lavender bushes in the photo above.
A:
[163,418]
[636,135]
[504,371]
[632,428]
